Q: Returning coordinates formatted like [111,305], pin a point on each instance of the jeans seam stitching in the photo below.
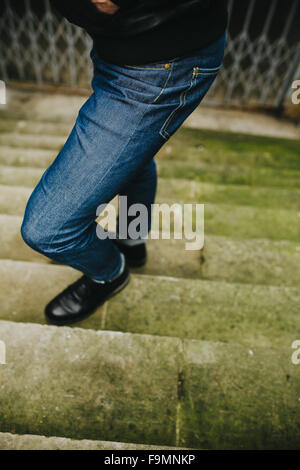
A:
[206,74]
[165,85]
[158,67]
[145,68]
[182,103]
[209,69]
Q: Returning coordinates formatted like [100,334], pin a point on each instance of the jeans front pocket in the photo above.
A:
[200,81]
[134,83]
[147,82]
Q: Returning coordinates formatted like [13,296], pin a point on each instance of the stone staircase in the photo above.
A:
[196,351]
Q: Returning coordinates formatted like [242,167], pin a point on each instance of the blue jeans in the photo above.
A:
[131,113]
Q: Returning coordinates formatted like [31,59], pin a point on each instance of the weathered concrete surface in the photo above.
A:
[228,220]
[238,173]
[232,260]
[30,157]
[221,148]
[229,260]
[233,120]
[243,222]
[32,141]
[186,191]
[254,261]
[89,385]
[248,222]
[22,126]
[20,176]
[228,174]
[188,145]
[174,190]
[12,245]
[57,106]
[234,398]
[28,287]
[13,199]
[136,388]
[123,387]
[217,311]
[38,106]
[30,442]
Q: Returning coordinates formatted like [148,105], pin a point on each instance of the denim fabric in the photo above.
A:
[131,113]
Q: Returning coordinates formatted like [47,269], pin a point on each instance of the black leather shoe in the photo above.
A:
[82,298]
[136,256]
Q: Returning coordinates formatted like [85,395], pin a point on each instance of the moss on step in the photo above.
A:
[232,260]
[89,385]
[216,311]
[205,173]
[240,222]
[229,174]
[226,148]
[184,191]
[251,392]
[247,222]
[207,146]
[220,219]
[187,145]
[140,388]
[181,190]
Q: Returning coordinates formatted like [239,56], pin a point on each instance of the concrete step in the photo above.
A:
[238,174]
[89,385]
[10,441]
[43,105]
[139,388]
[22,126]
[24,176]
[265,316]
[229,220]
[47,105]
[23,157]
[234,176]
[32,141]
[189,145]
[226,148]
[232,260]
[180,190]
[197,171]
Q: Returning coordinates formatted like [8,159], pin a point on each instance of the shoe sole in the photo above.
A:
[112,294]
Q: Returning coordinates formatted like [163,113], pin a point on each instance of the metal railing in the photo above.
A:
[262,57]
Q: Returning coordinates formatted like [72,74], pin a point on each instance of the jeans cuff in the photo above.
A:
[116,273]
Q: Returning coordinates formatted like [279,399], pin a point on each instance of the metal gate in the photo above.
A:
[262,57]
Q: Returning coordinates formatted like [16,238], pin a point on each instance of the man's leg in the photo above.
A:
[113,141]
[130,115]
[139,192]
[101,156]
